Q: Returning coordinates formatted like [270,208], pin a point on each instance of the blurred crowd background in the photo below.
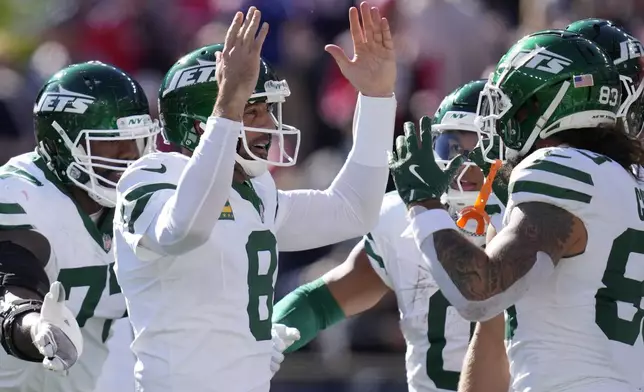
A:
[440,44]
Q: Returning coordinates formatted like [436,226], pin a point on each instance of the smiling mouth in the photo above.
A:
[260,147]
[467,186]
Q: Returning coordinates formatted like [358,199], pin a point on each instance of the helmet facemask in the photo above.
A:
[82,171]
[283,137]
[492,106]
[630,111]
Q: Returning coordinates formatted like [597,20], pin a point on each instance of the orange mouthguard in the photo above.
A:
[477,211]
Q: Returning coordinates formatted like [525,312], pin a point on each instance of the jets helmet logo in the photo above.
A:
[541,59]
[628,50]
[201,73]
[63,101]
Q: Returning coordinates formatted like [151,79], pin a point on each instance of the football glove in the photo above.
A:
[282,337]
[413,167]
[57,335]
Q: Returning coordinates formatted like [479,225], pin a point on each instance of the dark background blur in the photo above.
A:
[440,44]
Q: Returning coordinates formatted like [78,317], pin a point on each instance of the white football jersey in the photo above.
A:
[436,335]
[81,259]
[202,320]
[582,329]
[118,369]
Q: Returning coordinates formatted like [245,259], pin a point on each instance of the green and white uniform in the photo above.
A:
[238,265]
[31,197]
[201,301]
[581,330]
[436,335]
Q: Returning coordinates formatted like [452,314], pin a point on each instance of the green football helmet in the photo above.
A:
[187,96]
[87,102]
[457,112]
[625,52]
[550,81]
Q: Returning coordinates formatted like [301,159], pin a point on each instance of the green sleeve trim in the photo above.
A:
[140,198]
[549,190]
[371,252]
[146,189]
[16,227]
[11,208]
[309,308]
[562,170]
[511,322]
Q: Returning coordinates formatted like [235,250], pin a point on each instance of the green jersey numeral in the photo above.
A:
[436,319]
[260,281]
[619,288]
[95,278]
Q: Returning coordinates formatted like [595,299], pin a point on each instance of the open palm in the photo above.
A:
[372,70]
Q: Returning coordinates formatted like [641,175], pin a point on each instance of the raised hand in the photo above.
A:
[238,63]
[372,70]
[413,167]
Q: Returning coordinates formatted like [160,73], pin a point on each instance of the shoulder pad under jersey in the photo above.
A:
[560,176]
[147,183]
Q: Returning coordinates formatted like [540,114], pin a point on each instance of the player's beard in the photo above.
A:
[506,170]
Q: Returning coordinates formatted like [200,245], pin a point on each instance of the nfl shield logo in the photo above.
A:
[107,242]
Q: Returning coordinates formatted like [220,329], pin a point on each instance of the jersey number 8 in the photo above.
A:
[619,288]
[261,249]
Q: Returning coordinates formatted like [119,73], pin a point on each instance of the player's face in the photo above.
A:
[257,115]
[117,149]
[450,144]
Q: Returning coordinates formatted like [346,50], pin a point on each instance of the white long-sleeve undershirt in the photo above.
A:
[188,217]
[351,205]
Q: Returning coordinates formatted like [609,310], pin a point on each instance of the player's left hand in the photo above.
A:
[372,70]
[282,337]
[414,169]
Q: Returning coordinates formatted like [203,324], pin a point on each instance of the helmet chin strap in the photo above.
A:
[102,195]
[252,167]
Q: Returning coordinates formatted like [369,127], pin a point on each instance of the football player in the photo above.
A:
[626,53]
[384,260]
[197,233]
[56,207]
[572,226]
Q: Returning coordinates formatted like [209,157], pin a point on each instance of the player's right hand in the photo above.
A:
[238,63]
[57,335]
[416,175]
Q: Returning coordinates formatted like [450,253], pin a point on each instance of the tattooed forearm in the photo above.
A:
[534,227]
[467,265]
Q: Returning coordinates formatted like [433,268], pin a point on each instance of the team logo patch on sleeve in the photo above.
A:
[227,212]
